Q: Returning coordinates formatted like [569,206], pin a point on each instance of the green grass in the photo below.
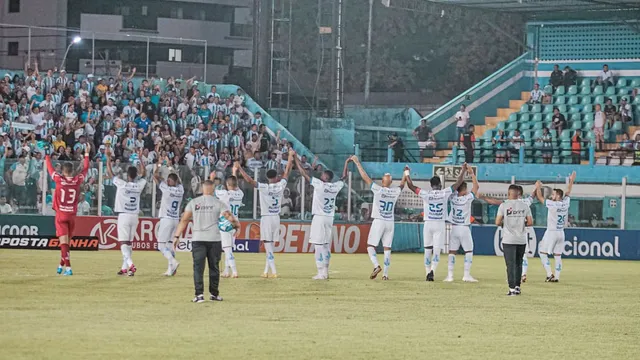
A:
[594,312]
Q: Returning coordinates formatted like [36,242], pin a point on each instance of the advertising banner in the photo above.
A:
[47,242]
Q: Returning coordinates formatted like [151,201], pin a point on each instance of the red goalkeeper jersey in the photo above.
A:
[67,192]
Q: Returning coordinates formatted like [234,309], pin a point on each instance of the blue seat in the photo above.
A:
[599,99]
[587,125]
[560,100]
[597,90]
[573,100]
[548,109]
[560,90]
[562,108]
[525,117]
[611,90]
[538,126]
[548,117]
[575,117]
[585,82]
[537,117]
[614,99]
[575,109]
[617,127]
[513,117]
[536,108]
[502,125]
[624,91]
[524,126]
[622,82]
[635,83]
[588,117]
[586,100]
[587,108]
[585,90]
[512,126]
[572,90]
[575,125]
[548,89]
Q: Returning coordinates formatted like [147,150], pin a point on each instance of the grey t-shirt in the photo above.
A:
[206,211]
[514,214]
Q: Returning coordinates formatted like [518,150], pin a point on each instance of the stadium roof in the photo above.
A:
[556,9]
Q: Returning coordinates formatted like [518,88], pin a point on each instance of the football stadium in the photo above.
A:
[319,179]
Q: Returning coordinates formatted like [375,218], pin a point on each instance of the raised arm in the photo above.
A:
[476,185]
[47,161]
[572,178]
[109,169]
[287,170]
[490,200]
[303,172]
[403,181]
[410,185]
[156,173]
[363,173]
[539,192]
[85,165]
[345,170]
[245,176]
[460,178]
[142,170]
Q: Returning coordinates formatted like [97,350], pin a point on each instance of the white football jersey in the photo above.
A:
[435,203]
[557,214]
[324,197]
[528,200]
[232,198]
[128,195]
[271,197]
[460,213]
[384,201]
[171,201]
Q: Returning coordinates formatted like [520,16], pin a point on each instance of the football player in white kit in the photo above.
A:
[128,207]
[553,239]
[528,201]
[232,197]
[435,214]
[169,214]
[460,218]
[383,225]
[323,209]
[270,203]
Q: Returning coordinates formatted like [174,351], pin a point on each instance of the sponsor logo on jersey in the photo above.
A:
[532,241]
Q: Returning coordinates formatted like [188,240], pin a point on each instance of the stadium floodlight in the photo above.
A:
[76,40]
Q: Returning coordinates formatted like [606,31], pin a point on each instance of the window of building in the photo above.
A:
[125,11]
[202,15]
[177,13]
[145,10]
[12,48]
[14,6]
[175,55]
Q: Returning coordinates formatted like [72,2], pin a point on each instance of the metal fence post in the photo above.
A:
[29,47]
[255,196]
[93,53]
[100,186]
[349,183]
[204,76]
[45,178]
[303,195]
[147,72]
[623,205]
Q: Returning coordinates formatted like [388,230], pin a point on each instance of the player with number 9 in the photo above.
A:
[172,194]
[65,203]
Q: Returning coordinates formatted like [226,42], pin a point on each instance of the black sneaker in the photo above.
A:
[430,276]
[555,280]
[512,292]
[517,290]
[198,299]
[551,278]
[215,298]
[375,272]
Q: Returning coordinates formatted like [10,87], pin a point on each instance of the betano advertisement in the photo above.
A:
[580,243]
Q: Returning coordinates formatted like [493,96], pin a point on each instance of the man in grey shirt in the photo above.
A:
[206,244]
[514,216]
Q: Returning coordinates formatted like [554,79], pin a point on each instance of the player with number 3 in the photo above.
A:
[172,194]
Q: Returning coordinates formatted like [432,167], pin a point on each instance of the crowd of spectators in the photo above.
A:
[157,119]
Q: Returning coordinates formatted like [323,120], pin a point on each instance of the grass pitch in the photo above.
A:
[592,313]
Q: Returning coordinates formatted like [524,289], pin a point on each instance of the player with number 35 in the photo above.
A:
[382,228]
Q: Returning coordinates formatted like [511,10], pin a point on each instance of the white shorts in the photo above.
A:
[228,238]
[434,233]
[270,228]
[381,230]
[460,236]
[321,230]
[127,226]
[166,229]
[552,242]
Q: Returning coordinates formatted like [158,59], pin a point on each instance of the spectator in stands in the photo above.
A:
[576,147]
[545,143]
[556,79]
[558,122]
[462,119]
[468,140]
[421,133]
[431,144]
[500,142]
[395,143]
[625,111]
[598,127]
[610,112]
[4,207]
[537,95]
[624,149]
[570,77]
[517,142]
[605,78]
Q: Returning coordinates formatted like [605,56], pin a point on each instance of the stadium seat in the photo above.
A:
[548,117]
[560,100]
[587,125]
[617,127]
[565,135]
[622,82]
[513,117]
[572,90]
[525,117]
[573,100]
[576,125]
[536,108]
[636,101]
[611,90]
[623,92]
[597,90]
[599,99]
[512,126]
[537,117]
[548,89]
[575,117]
[575,109]
[614,99]
[590,135]
[548,109]
[524,108]
[586,100]
[585,82]
[538,126]
[562,108]
[538,134]
[588,117]
[587,108]
[560,90]
[585,90]
[525,125]
[635,83]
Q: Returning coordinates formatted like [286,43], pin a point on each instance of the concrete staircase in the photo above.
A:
[502,114]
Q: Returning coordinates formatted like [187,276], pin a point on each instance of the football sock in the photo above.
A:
[450,265]
[525,264]
[327,257]
[64,254]
[427,260]
[372,255]
[387,262]
[558,259]
[230,260]
[468,260]
[271,262]
[319,251]
[544,258]
[126,256]
[436,260]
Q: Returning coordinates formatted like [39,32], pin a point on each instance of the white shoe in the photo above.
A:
[469,278]
[448,279]
[319,277]
[166,273]
[234,275]
[224,274]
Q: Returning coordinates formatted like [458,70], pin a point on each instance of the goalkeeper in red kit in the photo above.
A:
[65,204]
